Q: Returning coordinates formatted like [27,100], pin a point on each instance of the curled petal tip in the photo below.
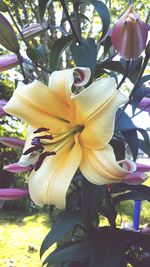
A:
[81,76]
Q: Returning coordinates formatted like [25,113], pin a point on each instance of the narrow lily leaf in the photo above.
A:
[143,146]
[64,223]
[130,196]
[42,4]
[58,48]
[103,12]
[132,139]
[76,252]
[137,97]
[124,122]
[82,16]
[144,79]
[146,138]
[85,54]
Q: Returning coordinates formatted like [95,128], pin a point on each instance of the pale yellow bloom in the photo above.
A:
[81,127]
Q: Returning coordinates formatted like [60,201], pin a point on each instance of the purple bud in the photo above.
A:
[8,61]
[142,167]
[134,178]
[13,193]
[33,30]
[129,35]
[145,104]
[12,142]
[16,168]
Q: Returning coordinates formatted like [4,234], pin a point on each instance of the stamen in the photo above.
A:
[50,137]
[33,148]
[42,129]
[42,157]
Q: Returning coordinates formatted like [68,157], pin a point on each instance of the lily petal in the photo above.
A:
[60,82]
[96,108]
[37,105]
[50,183]
[100,166]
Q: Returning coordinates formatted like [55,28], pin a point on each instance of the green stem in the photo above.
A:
[135,85]
[16,25]
[125,74]
[69,20]
[21,65]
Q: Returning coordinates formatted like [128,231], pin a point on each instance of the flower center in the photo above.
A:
[49,144]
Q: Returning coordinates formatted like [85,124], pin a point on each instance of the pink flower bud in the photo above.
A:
[16,168]
[2,104]
[13,193]
[142,167]
[145,104]
[12,142]
[8,61]
[129,35]
[134,178]
[33,30]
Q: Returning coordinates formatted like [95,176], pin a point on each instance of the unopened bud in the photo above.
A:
[144,104]
[7,35]
[13,193]
[33,30]
[8,61]
[129,35]
[16,168]
[12,142]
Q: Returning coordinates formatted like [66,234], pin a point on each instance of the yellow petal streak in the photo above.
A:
[50,183]
[37,105]
[100,166]
[96,108]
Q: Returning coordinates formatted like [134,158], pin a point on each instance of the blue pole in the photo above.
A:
[136,215]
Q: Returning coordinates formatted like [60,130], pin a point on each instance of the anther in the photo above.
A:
[42,129]
[42,157]
[33,148]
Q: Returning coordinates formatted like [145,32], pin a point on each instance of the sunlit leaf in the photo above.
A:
[58,48]
[85,54]
[64,223]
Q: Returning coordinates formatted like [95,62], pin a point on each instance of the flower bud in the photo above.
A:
[135,178]
[7,35]
[8,61]
[129,35]
[16,168]
[13,193]
[142,167]
[145,104]
[2,104]
[12,142]
[33,30]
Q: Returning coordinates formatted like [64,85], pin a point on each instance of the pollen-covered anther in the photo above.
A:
[42,157]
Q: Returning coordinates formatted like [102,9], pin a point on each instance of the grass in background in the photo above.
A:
[20,239]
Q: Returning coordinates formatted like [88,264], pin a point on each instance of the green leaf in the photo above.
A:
[42,4]
[78,251]
[85,54]
[32,54]
[103,12]
[64,223]
[92,199]
[144,146]
[130,196]
[137,97]
[58,48]
[82,16]
[131,138]
[124,122]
